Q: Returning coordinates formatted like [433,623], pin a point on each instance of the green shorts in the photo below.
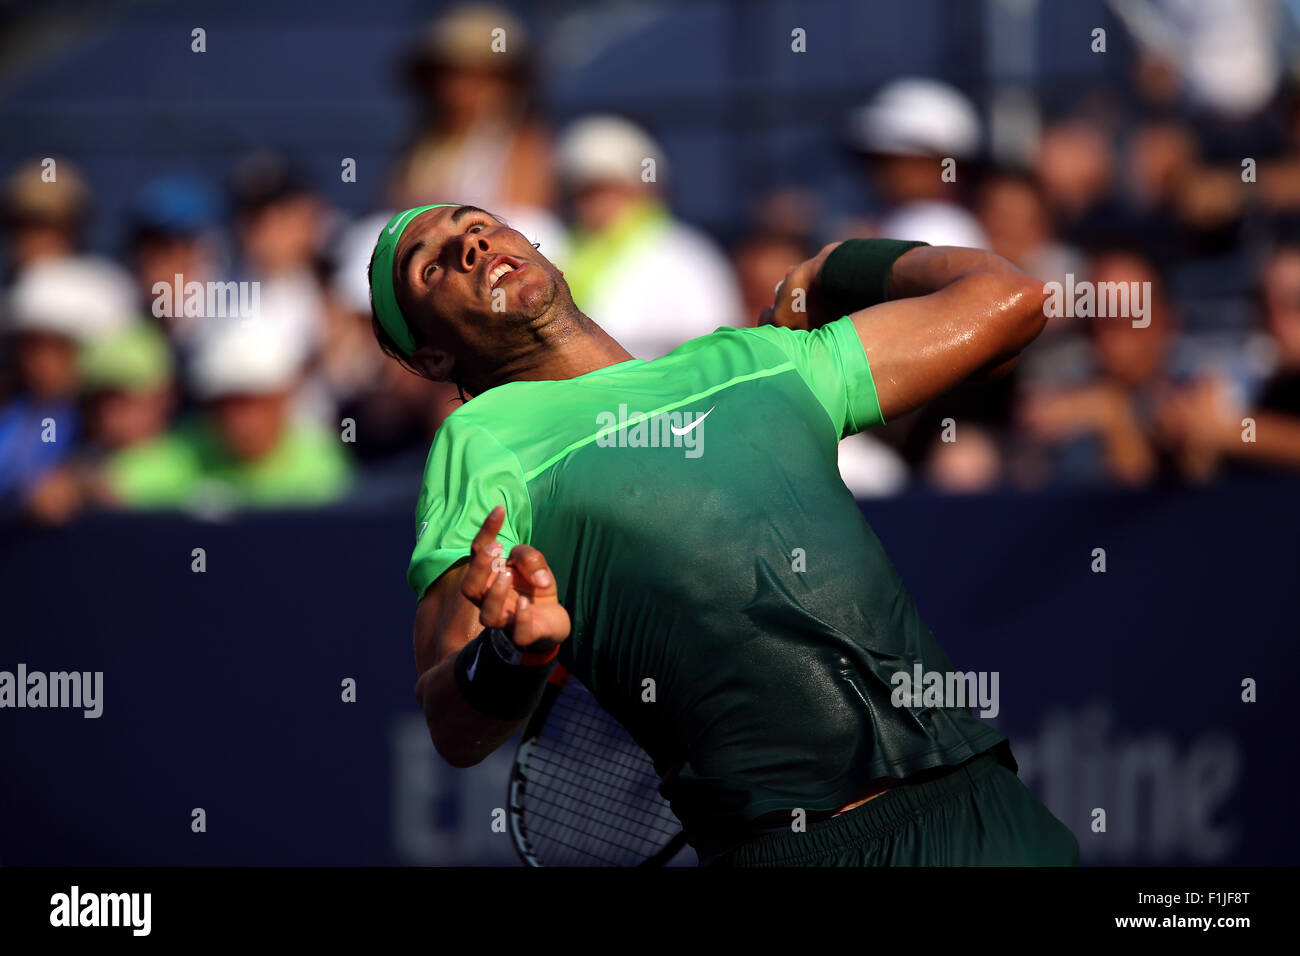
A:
[979,814]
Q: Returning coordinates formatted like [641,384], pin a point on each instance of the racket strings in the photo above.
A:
[633,818]
[592,795]
[615,789]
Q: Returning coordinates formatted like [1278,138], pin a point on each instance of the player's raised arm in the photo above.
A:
[486,633]
[934,316]
[953,313]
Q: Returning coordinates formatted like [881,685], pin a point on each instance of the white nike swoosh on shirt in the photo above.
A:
[686,428]
[469,674]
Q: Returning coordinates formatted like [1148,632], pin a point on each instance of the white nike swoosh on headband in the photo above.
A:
[469,675]
[397,225]
[686,428]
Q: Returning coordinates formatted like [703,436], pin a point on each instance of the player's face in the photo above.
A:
[474,274]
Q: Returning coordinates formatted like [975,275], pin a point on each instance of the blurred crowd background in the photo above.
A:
[1165,150]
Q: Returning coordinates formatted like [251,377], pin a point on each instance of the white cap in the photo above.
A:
[917,117]
[236,359]
[352,251]
[81,297]
[938,223]
[606,149]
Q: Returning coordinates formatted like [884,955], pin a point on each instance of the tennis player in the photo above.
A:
[676,532]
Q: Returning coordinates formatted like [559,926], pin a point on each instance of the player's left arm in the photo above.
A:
[952,314]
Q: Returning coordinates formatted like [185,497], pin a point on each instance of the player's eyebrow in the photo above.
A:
[410,252]
[465,211]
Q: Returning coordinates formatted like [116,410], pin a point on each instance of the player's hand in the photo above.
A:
[516,594]
[798,302]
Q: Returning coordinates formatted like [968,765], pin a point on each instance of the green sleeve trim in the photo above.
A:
[864,402]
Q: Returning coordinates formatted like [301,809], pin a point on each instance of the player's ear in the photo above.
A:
[433,364]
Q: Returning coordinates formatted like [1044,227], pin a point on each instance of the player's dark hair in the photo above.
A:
[387,344]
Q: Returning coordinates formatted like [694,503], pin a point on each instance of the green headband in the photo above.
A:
[382,291]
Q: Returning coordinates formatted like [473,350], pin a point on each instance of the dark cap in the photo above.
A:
[264,178]
[175,205]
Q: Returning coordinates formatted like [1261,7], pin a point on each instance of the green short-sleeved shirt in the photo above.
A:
[706,547]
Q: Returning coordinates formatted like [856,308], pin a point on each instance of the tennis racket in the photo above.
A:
[582,793]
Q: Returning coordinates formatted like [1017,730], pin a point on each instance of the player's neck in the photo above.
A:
[569,345]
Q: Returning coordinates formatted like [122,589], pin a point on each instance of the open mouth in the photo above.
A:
[501,269]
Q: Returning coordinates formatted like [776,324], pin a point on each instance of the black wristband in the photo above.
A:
[856,275]
[493,685]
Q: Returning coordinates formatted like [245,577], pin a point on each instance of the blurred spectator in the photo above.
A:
[761,260]
[1224,55]
[956,443]
[648,279]
[1076,167]
[1161,155]
[1182,205]
[1281,303]
[55,306]
[126,378]
[279,225]
[970,463]
[172,222]
[352,358]
[128,386]
[870,468]
[793,212]
[279,222]
[1103,429]
[43,220]
[246,448]
[1278,178]
[1014,214]
[906,132]
[1205,423]
[479,141]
